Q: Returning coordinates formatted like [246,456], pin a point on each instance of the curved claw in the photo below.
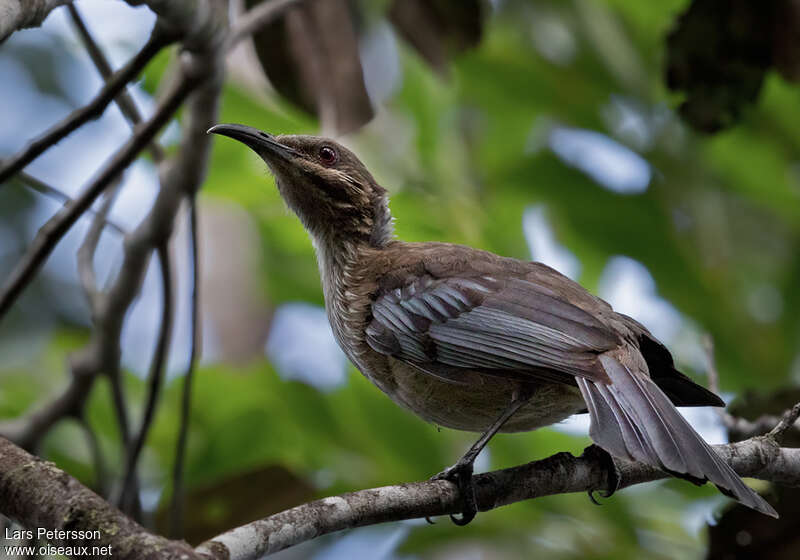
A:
[460,474]
[466,517]
[612,472]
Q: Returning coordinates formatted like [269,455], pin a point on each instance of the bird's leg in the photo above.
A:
[461,473]
[605,459]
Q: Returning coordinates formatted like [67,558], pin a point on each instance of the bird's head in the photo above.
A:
[324,183]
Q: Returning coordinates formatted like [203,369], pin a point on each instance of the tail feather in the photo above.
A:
[635,442]
[633,419]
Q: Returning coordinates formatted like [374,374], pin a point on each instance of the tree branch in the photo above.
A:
[19,14]
[256,18]
[123,100]
[102,353]
[117,83]
[88,248]
[27,430]
[559,474]
[155,378]
[51,192]
[787,422]
[37,494]
[176,502]
[100,469]
[199,73]
[52,232]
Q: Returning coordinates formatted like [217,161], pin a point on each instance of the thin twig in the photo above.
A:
[120,407]
[119,402]
[155,376]
[51,233]
[256,18]
[88,248]
[742,428]
[124,100]
[51,192]
[158,40]
[787,421]
[27,431]
[176,503]
[96,300]
[100,470]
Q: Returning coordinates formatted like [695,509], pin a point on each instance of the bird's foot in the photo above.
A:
[612,472]
[460,474]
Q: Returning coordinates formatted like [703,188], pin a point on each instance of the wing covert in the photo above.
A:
[487,324]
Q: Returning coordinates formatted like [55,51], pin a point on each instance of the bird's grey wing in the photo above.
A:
[510,327]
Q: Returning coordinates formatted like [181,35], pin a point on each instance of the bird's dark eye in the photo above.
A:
[327,155]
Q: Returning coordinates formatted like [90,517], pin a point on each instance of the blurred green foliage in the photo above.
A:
[461,157]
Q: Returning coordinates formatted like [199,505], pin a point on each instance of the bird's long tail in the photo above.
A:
[633,419]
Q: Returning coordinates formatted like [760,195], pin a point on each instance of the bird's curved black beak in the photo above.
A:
[262,143]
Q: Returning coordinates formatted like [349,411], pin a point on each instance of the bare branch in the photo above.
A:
[89,247]
[19,14]
[118,400]
[28,430]
[176,503]
[130,489]
[51,192]
[155,377]
[787,421]
[37,494]
[102,353]
[124,100]
[256,18]
[199,72]
[117,83]
[52,232]
[181,176]
[742,428]
[562,473]
[100,470]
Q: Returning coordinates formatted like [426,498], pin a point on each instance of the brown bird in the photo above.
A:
[474,341]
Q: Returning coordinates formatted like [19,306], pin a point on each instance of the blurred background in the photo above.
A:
[649,150]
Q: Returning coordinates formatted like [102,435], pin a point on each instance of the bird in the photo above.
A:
[474,341]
